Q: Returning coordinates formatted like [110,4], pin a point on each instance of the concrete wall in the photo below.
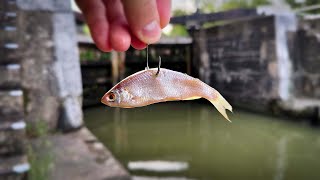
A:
[239,60]
[263,63]
[51,76]
[40,77]
[307,59]
[13,161]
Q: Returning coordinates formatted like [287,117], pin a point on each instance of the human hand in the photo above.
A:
[115,24]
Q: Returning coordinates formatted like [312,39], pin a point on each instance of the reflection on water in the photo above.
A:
[251,147]
[158,166]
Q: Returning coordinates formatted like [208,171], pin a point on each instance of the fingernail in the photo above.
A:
[151,32]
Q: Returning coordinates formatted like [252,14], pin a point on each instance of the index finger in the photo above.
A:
[164,10]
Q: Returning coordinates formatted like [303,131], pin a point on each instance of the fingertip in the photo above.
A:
[150,33]
[119,37]
[143,19]
[94,13]
[99,33]
[137,44]
[164,9]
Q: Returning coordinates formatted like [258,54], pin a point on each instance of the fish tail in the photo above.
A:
[221,104]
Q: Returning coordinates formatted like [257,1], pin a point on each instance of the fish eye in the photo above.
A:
[111,97]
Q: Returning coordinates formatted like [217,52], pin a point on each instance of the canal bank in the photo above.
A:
[78,155]
[41,93]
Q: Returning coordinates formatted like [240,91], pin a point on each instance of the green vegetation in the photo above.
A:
[40,163]
[306,3]
[37,129]
[178,30]
[207,6]
[87,54]
[295,5]
[86,30]
[179,12]
[39,155]
[234,4]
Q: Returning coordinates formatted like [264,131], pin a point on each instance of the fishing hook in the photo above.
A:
[159,66]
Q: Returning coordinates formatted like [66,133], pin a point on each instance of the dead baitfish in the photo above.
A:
[159,85]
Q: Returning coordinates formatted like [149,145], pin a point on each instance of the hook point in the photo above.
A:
[159,66]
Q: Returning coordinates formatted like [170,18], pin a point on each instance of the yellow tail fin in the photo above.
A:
[221,104]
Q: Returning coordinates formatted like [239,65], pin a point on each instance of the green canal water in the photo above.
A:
[190,140]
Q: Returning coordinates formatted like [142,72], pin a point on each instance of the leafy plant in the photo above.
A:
[38,129]
[40,163]
[39,150]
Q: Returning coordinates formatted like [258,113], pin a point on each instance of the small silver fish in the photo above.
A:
[159,85]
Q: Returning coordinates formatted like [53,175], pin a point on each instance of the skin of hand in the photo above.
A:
[115,24]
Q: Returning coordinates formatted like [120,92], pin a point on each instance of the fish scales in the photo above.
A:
[167,85]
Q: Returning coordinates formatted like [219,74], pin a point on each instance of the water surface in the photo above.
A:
[196,136]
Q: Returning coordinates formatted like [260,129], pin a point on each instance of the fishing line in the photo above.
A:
[147,57]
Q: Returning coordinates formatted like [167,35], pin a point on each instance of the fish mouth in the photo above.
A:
[104,99]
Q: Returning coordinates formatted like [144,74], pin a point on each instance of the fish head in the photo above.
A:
[117,97]
[111,98]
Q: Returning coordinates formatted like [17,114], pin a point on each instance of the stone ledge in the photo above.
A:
[12,137]
[16,125]
[78,155]
[44,5]
[10,5]
[11,103]
[14,167]
[9,53]
[10,76]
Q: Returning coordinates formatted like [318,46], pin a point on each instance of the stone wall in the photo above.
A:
[13,161]
[40,77]
[262,63]
[239,60]
[51,77]
[307,59]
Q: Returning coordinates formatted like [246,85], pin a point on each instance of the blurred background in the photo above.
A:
[261,55]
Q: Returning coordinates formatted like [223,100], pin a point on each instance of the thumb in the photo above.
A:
[143,19]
